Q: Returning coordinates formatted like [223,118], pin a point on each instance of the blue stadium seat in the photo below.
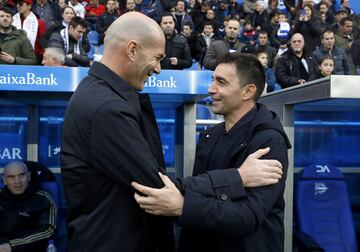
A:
[91,52]
[93,37]
[101,49]
[203,112]
[322,208]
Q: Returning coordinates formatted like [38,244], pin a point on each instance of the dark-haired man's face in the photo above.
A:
[208,29]
[187,31]
[77,32]
[263,39]
[225,91]
[5,20]
[167,25]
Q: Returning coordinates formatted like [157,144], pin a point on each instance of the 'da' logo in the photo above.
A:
[322,169]
[153,82]
[29,79]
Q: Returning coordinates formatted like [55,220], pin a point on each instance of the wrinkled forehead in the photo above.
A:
[15,169]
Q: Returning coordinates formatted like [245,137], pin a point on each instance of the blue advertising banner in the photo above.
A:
[66,79]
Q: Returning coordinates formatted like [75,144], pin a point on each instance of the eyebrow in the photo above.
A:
[219,78]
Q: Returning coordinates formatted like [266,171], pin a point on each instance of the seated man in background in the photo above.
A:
[69,39]
[53,57]
[15,47]
[27,214]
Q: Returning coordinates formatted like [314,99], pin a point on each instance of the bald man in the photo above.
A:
[109,141]
[27,215]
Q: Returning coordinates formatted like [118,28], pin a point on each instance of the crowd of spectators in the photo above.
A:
[295,35]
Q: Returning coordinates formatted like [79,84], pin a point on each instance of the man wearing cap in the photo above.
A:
[339,15]
[26,20]
[15,46]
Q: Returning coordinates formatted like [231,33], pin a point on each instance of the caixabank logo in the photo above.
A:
[28,79]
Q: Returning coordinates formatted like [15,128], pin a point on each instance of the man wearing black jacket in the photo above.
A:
[294,67]
[27,214]
[177,50]
[218,220]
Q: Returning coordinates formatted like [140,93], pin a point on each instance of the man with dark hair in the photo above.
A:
[15,46]
[105,20]
[69,39]
[344,39]
[191,37]
[177,50]
[27,214]
[329,48]
[264,45]
[217,220]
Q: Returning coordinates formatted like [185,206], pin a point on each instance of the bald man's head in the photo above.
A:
[16,177]
[134,45]
[132,26]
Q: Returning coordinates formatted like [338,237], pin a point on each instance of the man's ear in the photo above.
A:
[131,49]
[249,92]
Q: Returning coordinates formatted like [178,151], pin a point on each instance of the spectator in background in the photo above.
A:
[15,46]
[27,214]
[281,33]
[328,48]
[355,52]
[78,8]
[47,11]
[93,11]
[346,5]
[69,39]
[326,16]
[130,5]
[260,16]
[181,16]
[249,7]
[345,38]
[220,48]
[294,67]
[203,42]
[211,17]
[178,55]
[35,28]
[309,26]
[326,68]
[264,45]
[53,57]
[67,13]
[62,4]
[105,20]
[235,8]
[222,11]
[339,15]
[249,34]
[191,37]
[198,15]
[269,73]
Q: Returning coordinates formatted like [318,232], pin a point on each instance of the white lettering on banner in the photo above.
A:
[153,82]
[10,153]
[29,79]
[322,169]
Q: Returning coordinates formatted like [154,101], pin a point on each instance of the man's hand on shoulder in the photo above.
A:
[5,247]
[257,172]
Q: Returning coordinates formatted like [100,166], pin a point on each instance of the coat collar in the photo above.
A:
[116,83]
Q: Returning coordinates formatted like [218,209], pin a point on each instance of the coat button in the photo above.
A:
[224,197]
